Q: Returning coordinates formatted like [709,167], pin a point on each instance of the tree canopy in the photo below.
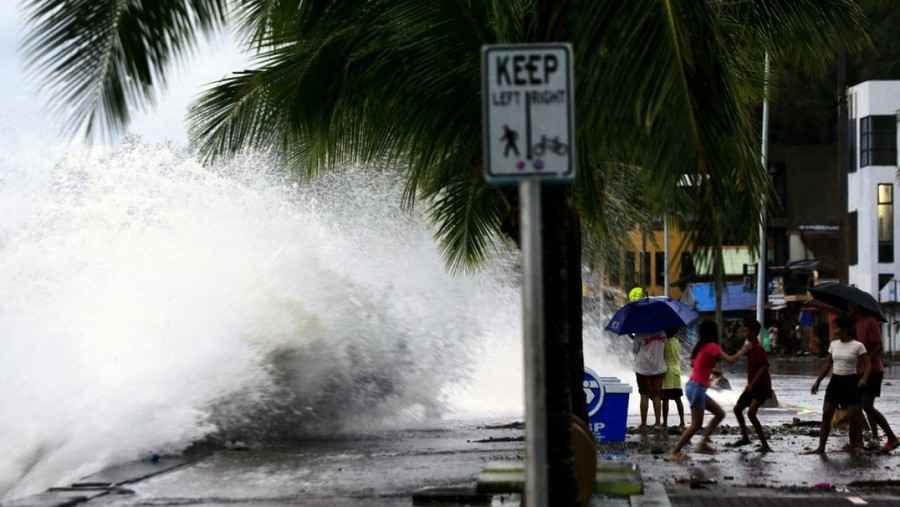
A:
[667,86]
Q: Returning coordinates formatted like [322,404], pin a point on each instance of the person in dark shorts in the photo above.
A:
[868,332]
[649,368]
[843,389]
[671,388]
[759,386]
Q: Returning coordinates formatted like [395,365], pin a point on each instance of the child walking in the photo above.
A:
[671,389]
[759,386]
[704,357]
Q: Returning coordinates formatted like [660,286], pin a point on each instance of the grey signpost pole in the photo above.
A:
[536,474]
[529,139]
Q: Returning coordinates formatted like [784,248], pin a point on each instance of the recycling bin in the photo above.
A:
[607,406]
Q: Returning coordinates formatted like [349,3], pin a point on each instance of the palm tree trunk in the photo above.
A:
[562,302]
[562,331]
[576,346]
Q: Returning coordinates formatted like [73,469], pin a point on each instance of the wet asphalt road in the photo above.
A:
[784,468]
[382,469]
[386,468]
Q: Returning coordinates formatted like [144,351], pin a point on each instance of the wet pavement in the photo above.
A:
[388,468]
[791,429]
[384,469]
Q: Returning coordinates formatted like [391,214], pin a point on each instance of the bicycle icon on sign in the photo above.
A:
[554,145]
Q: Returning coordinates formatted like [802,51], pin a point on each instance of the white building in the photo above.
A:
[873,108]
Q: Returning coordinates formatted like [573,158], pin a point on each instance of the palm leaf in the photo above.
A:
[99,60]
[468,215]
[662,85]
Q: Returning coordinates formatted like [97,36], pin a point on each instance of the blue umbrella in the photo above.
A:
[650,315]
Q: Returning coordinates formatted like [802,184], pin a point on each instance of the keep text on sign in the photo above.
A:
[528,112]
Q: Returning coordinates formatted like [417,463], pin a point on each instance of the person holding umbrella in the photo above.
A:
[868,332]
[646,319]
[704,357]
[865,313]
[650,368]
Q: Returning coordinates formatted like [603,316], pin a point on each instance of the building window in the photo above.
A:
[883,279]
[645,269]
[853,238]
[630,279]
[885,222]
[687,264]
[878,140]
[660,269]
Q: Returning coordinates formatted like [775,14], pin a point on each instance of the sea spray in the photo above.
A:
[150,302]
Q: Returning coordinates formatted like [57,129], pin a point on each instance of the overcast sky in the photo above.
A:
[22,112]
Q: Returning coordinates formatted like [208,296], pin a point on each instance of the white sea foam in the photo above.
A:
[149,302]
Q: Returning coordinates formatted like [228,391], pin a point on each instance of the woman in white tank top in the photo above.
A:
[843,389]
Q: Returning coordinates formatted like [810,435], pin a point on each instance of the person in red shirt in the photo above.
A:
[759,386]
[704,357]
[868,332]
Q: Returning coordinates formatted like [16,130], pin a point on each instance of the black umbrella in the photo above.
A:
[840,296]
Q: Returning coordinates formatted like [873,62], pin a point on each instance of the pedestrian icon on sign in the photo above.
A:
[510,136]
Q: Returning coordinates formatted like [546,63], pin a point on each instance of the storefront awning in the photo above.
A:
[702,297]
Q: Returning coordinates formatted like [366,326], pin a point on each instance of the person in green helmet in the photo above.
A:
[636,293]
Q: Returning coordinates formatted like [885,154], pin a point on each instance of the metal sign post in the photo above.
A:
[529,138]
[536,472]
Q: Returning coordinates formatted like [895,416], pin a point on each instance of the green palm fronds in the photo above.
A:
[665,89]
[99,60]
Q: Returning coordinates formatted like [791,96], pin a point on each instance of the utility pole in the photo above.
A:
[666,254]
[761,284]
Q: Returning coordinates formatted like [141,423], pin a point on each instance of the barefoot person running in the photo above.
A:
[843,388]
[704,357]
[759,386]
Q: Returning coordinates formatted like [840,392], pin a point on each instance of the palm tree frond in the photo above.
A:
[101,59]
[469,221]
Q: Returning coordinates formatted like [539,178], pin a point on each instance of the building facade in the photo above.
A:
[805,221]
[643,263]
[873,108]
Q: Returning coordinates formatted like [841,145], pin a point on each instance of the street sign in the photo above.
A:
[529,138]
[528,118]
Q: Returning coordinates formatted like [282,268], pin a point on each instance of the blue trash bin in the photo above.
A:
[607,406]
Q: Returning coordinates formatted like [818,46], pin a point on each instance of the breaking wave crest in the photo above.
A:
[150,302]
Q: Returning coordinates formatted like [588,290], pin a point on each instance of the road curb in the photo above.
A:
[104,482]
